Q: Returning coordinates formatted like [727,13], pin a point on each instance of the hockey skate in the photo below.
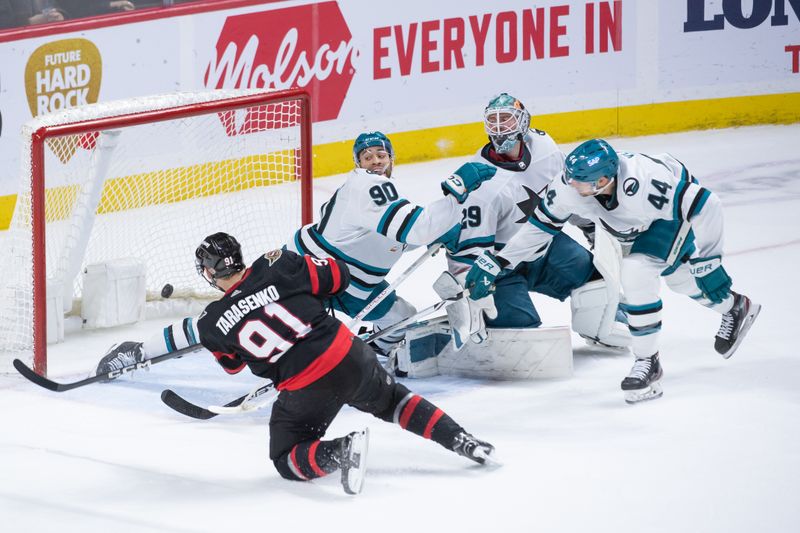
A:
[354,460]
[479,451]
[735,325]
[642,381]
[120,356]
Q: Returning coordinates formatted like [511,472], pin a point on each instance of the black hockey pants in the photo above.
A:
[301,417]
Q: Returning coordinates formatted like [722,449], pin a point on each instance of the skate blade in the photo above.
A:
[489,459]
[652,392]
[748,322]
[595,343]
[355,471]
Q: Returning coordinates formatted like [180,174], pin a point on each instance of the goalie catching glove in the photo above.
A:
[466,179]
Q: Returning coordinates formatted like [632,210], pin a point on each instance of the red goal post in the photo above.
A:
[180,164]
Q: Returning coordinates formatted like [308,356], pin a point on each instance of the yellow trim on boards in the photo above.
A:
[631,121]
[465,139]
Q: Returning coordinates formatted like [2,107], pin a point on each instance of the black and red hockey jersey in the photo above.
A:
[274,320]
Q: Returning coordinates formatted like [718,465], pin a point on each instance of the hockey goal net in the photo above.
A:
[147,178]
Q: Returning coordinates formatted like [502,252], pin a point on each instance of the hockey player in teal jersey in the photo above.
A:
[668,225]
[368,223]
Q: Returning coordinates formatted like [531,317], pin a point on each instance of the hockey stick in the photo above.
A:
[414,319]
[240,404]
[55,386]
[431,251]
[185,407]
[372,304]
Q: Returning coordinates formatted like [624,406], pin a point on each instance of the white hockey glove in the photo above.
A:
[466,316]
[479,311]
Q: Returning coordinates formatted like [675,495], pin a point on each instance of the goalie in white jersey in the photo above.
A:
[668,225]
[527,161]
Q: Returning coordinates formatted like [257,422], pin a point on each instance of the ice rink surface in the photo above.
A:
[717,453]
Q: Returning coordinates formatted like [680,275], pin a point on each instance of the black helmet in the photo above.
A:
[220,255]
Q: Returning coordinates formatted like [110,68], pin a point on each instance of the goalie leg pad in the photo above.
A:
[595,304]
[512,354]
[594,315]
[417,354]
[400,310]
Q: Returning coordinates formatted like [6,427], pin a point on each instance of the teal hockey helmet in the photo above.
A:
[589,162]
[370,139]
[506,121]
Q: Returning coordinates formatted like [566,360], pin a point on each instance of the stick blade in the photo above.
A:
[32,376]
[176,402]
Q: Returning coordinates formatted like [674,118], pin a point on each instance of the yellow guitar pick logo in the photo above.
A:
[61,75]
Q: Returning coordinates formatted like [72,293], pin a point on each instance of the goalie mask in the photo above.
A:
[373,151]
[506,121]
[219,256]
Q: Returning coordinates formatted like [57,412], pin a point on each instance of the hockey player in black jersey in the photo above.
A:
[272,319]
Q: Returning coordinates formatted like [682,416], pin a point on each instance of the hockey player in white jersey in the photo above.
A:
[368,223]
[527,161]
[668,226]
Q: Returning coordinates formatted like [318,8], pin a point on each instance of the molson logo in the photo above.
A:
[61,75]
[304,46]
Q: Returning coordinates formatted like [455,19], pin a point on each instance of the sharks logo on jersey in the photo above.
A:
[528,205]
[623,236]
[495,212]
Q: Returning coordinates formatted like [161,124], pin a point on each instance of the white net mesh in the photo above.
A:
[151,192]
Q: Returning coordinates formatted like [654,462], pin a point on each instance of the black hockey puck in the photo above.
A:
[166,291]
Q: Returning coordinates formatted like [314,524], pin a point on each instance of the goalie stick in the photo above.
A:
[446,291]
[430,252]
[56,386]
[413,319]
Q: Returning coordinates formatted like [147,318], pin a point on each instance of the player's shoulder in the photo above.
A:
[503,183]
[273,274]
[362,177]
[377,187]
[562,193]
[644,168]
[481,156]
[540,143]
[208,317]
[276,262]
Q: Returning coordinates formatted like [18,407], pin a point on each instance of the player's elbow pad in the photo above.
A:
[340,277]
